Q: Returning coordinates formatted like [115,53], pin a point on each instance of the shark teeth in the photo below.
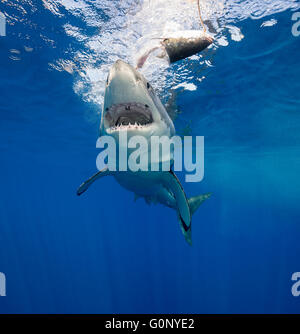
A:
[128,127]
[128,114]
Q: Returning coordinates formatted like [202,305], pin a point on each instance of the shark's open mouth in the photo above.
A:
[128,115]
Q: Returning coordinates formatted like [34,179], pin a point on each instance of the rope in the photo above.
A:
[200,17]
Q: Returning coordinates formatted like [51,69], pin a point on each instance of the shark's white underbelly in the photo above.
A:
[147,185]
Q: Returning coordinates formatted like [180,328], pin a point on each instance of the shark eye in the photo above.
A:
[148,85]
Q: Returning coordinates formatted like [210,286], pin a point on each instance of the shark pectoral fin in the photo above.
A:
[85,185]
[196,201]
[171,181]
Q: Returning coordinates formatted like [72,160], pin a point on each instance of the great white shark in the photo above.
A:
[131,105]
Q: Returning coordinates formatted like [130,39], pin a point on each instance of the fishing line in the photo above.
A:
[200,17]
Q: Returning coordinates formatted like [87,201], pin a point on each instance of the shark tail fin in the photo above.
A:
[185,207]
[196,201]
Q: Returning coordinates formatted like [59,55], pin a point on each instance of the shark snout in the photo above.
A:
[119,65]
[122,70]
[122,79]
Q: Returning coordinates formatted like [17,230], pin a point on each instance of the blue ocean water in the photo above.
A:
[103,253]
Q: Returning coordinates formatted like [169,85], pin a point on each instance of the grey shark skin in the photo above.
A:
[131,104]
